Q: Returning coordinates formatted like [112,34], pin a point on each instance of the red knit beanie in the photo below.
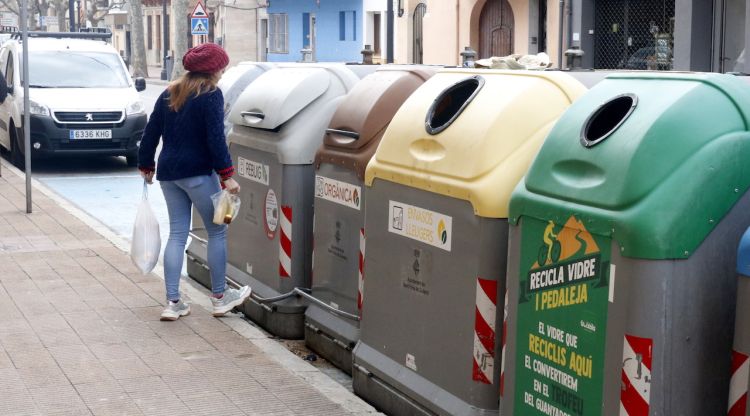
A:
[207,58]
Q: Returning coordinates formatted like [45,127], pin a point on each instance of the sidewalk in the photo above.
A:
[154,76]
[80,332]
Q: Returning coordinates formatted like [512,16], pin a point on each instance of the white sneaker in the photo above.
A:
[175,310]
[231,299]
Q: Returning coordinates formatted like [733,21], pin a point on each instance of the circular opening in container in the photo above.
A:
[451,103]
[607,118]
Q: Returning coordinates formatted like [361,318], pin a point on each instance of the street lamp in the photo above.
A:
[165,38]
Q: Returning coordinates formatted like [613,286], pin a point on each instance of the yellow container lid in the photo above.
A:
[485,127]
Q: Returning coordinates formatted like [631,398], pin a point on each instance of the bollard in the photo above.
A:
[574,57]
[367,53]
[468,56]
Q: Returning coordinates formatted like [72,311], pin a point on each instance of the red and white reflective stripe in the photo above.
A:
[636,376]
[505,335]
[738,385]
[285,242]
[361,280]
[484,331]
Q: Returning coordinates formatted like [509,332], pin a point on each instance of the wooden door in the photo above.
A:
[496,29]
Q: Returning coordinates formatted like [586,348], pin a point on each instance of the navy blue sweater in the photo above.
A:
[193,138]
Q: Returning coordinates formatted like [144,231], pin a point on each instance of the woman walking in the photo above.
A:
[188,117]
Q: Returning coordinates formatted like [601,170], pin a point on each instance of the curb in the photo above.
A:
[199,296]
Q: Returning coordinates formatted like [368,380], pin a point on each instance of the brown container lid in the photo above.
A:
[362,117]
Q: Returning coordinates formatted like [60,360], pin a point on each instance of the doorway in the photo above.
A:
[733,37]
[309,32]
[496,29]
[418,44]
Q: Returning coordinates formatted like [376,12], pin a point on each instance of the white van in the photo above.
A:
[83,100]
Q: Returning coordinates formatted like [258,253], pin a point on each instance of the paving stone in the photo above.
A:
[112,351]
[58,399]
[127,368]
[31,357]
[38,377]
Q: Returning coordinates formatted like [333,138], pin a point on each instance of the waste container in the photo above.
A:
[436,224]
[332,327]
[740,375]
[623,238]
[278,124]
[232,83]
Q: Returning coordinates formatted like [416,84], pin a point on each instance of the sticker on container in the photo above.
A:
[339,192]
[271,214]
[255,171]
[562,306]
[411,362]
[420,224]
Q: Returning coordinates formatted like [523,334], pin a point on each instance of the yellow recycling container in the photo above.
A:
[437,232]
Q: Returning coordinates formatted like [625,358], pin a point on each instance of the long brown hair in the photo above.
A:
[189,84]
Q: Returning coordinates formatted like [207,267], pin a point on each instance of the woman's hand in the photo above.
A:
[148,176]
[232,186]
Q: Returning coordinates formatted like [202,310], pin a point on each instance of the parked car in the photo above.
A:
[82,99]
[649,57]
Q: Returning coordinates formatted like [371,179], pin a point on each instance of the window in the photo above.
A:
[9,70]
[278,33]
[348,25]
[149,33]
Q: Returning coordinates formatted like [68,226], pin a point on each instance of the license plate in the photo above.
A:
[90,134]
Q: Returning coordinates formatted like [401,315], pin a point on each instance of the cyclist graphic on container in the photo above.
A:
[550,252]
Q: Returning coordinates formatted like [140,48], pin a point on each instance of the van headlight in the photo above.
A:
[136,107]
[38,109]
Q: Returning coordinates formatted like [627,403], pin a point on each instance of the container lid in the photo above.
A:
[278,95]
[471,134]
[653,160]
[360,120]
[235,80]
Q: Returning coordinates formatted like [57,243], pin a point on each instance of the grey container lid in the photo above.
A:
[286,110]
[235,80]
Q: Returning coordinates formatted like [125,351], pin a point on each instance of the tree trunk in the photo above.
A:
[61,10]
[138,46]
[179,34]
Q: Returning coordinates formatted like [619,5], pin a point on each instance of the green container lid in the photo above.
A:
[654,161]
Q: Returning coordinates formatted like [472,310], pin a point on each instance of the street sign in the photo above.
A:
[199,26]
[199,11]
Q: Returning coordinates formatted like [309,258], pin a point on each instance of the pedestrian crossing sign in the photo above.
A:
[199,26]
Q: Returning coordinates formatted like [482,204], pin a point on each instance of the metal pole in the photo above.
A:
[389,32]
[164,39]
[26,116]
[560,35]
[71,16]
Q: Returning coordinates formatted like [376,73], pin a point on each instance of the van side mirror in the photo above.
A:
[140,84]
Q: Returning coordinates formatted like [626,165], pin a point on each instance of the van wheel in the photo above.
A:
[132,160]
[16,156]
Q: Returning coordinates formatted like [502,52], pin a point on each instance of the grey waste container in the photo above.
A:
[436,224]
[623,240]
[740,375]
[278,124]
[232,83]
[353,135]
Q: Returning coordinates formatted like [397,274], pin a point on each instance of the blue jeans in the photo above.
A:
[181,195]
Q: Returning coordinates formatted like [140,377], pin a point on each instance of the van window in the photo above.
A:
[69,69]
[9,70]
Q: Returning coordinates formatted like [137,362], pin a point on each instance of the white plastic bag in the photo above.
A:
[226,207]
[146,244]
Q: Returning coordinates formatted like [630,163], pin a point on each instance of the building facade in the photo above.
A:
[330,29]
